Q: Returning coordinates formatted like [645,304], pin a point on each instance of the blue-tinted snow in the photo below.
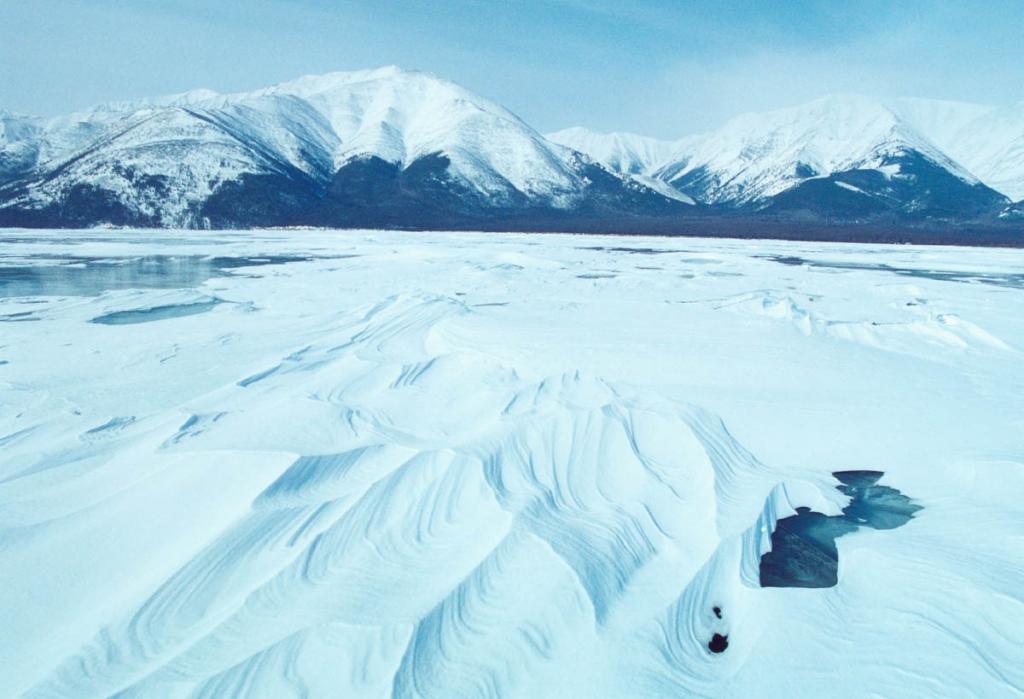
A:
[381,483]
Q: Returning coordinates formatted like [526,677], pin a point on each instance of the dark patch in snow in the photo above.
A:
[249,380]
[19,317]
[154,313]
[1013,280]
[804,552]
[194,426]
[112,424]
[632,251]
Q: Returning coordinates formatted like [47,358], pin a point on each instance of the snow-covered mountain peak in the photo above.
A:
[395,114]
[462,148]
[342,80]
[119,107]
[756,156]
[400,116]
[621,151]
[826,134]
[989,141]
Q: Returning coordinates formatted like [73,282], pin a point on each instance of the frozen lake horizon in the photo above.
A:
[389,463]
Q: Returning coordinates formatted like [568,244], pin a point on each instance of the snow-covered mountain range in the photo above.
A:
[380,146]
[395,148]
[848,153]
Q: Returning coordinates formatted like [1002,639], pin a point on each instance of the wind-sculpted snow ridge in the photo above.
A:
[434,530]
[911,333]
[498,466]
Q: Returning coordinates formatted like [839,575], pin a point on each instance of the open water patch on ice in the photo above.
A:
[1011,280]
[804,552]
[629,250]
[58,275]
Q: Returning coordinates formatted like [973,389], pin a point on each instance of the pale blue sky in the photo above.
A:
[659,67]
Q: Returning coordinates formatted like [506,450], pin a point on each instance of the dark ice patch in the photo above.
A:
[155,313]
[19,317]
[114,423]
[804,552]
[1012,280]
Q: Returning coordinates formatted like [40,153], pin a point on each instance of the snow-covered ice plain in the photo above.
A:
[353,464]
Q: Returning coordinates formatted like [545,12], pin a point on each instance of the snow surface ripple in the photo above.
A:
[452,467]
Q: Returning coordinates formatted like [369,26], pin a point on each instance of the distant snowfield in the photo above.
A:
[478,465]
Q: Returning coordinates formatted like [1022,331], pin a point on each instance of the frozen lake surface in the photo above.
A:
[316,463]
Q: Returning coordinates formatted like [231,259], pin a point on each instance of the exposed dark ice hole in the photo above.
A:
[718,643]
[148,315]
[804,552]
[635,251]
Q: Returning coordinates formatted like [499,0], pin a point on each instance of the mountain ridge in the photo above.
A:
[923,123]
[387,147]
